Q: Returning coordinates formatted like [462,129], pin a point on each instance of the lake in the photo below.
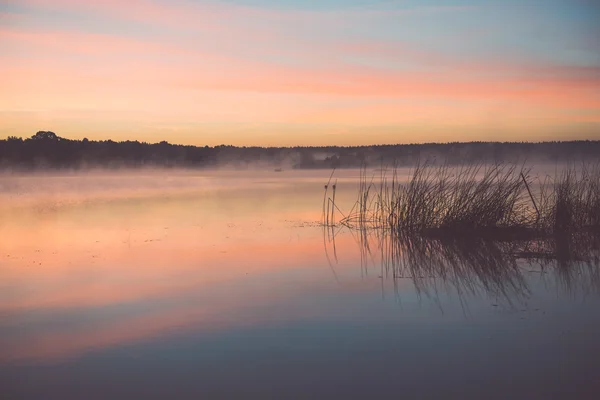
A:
[223,284]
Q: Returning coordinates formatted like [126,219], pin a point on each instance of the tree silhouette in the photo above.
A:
[46,135]
[47,150]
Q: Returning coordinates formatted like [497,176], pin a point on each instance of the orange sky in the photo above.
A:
[287,73]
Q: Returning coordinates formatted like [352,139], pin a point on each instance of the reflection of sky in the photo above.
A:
[300,72]
[126,298]
[86,277]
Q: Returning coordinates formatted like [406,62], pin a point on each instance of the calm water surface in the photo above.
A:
[223,285]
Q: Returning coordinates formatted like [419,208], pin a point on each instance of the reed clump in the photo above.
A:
[571,201]
[502,202]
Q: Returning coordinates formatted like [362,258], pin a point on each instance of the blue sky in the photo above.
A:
[301,72]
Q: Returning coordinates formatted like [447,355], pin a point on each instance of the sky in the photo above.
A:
[301,72]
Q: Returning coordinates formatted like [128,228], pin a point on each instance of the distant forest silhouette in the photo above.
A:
[46,150]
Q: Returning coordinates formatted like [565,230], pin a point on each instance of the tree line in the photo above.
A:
[47,150]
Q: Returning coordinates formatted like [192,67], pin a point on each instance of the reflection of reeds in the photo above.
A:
[574,258]
[479,266]
[469,267]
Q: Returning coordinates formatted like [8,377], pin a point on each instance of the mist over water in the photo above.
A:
[155,283]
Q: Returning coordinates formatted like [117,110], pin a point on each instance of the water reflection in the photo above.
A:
[131,296]
[472,267]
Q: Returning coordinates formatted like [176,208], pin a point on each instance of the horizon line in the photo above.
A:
[317,146]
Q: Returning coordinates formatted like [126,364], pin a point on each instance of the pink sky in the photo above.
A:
[203,72]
